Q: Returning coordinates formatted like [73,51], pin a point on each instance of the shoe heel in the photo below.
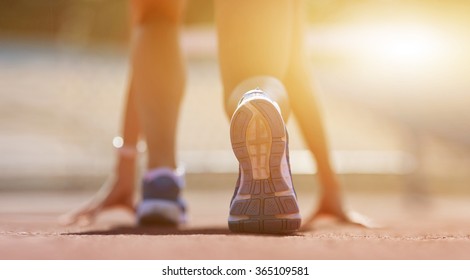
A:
[161,202]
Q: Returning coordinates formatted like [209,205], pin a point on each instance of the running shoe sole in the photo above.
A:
[266,201]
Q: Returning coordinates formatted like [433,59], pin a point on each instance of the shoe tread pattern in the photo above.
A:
[261,212]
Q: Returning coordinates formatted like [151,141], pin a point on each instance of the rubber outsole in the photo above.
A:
[265,202]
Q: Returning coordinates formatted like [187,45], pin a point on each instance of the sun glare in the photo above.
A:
[404,45]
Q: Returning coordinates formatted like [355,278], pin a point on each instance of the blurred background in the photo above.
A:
[392,76]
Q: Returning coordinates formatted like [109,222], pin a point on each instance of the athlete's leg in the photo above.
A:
[254,48]
[158,75]
[159,81]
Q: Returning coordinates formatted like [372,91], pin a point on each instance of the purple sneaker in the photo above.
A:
[264,200]
[161,200]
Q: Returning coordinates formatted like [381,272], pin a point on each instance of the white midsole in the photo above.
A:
[164,208]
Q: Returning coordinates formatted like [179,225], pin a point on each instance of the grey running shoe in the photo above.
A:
[161,202]
[264,200]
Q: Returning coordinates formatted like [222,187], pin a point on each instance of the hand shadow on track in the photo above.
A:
[160,230]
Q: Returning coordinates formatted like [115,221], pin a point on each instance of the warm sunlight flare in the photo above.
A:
[404,45]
